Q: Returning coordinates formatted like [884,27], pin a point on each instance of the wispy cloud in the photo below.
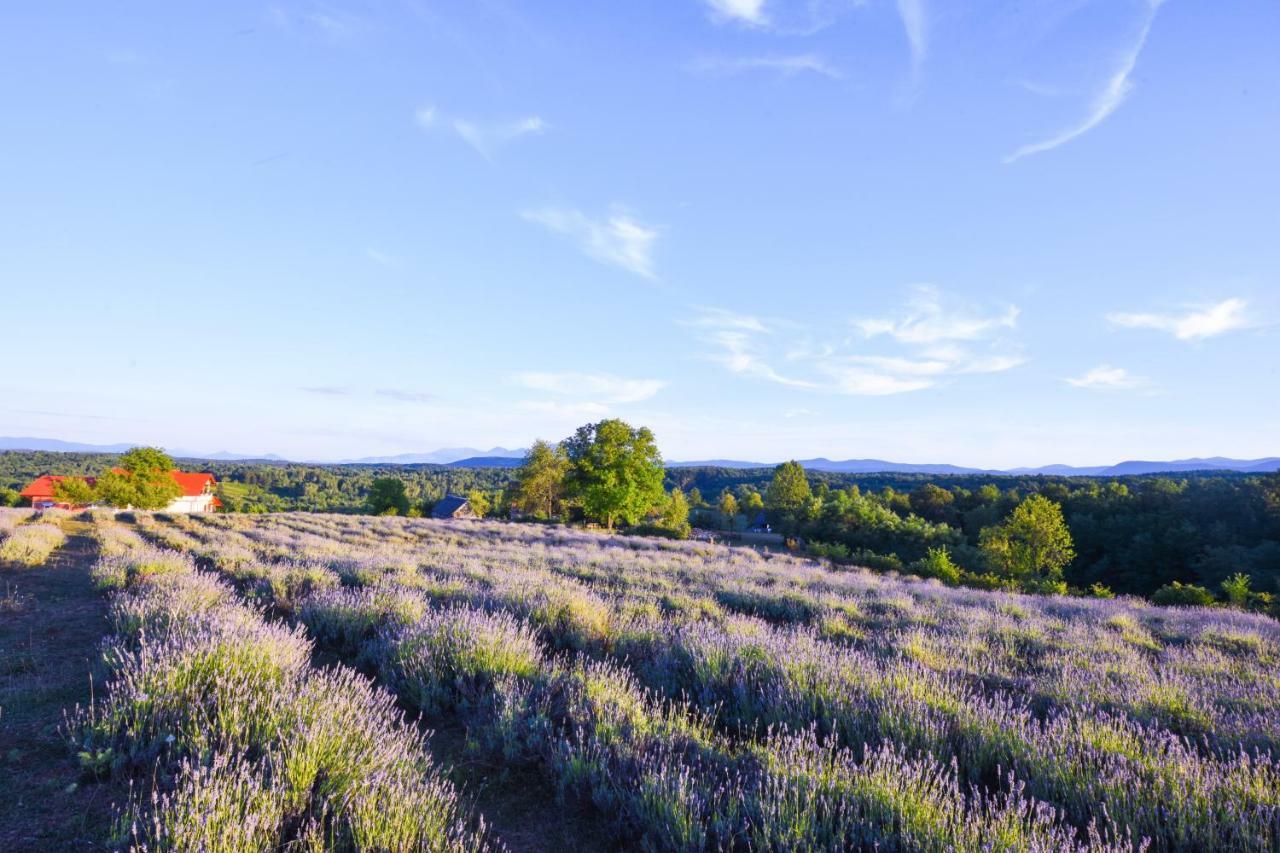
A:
[484,137]
[326,390]
[401,395]
[1113,93]
[928,343]
[320,20]
[613,389]
[618,239]
[787,66]
[1196,324]
[782,17]
[749,12]
[927,321]
[722,318]
[915,24]
[1104,377]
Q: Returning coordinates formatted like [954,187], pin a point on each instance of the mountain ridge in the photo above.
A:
[501,457]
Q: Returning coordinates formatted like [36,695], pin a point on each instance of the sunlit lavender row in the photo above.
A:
[234,741]
[1100,722]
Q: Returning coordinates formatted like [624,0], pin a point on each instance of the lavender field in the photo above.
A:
[694,697]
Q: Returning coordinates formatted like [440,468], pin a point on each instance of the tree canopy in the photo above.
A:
[615,472]
[538,489]
[388,496]
[140,479]
[1033,543]
[788,490]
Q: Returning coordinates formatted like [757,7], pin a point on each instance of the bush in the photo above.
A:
[1183,595]
[938,564]
[833,551]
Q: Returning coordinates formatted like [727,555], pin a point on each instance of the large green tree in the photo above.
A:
[388,496]
[788,492]
[728,509]
[75,491]
[1032,544]
[615,471]
[675,514]
[141,479]
[539,486]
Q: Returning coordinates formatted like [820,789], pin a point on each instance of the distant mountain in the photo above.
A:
[720,463]
[443,456]
[53,445]
[502,457]
[879,466]
[1128,468]
[227,456]
[1216,463]
[488,462]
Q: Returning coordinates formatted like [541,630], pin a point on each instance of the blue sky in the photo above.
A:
[982,233]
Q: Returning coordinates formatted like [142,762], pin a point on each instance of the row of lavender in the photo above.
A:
[1210,675]
[657,766]
[896,677]
[247,746]
[28,539]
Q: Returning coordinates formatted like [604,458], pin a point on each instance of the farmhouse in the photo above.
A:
[40,491]
[197,492]
[452,506]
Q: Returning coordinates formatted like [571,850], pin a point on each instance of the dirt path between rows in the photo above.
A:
[51,623]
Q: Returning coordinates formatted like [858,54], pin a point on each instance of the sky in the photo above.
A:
[990,233]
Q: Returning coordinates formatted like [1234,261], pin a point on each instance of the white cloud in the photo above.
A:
[927,321]
[1108,99]
[1107,378]
[914,23]
[924,349]
[722,318]
[485,137]
[750,12]
[784,65]
[1205,322]
[617,240]
[614,389]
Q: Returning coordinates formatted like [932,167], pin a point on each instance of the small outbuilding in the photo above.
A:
[452,506]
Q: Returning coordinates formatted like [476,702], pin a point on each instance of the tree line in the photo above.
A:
[1190,538]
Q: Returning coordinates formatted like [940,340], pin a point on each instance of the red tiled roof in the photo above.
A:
[41,488]
[192,483]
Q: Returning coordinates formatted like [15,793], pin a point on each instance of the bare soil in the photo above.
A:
[51,623]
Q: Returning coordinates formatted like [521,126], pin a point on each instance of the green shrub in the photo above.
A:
[1183,595]
[938,564]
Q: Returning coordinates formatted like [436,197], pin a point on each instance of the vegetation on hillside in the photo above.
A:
[1130,535]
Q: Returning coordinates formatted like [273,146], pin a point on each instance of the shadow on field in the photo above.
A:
[51,620]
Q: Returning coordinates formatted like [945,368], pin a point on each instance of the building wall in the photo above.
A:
[195,503]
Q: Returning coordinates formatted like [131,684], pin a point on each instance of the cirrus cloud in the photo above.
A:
[617,239]
[930,341]
[1104,377]
[1196,324]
